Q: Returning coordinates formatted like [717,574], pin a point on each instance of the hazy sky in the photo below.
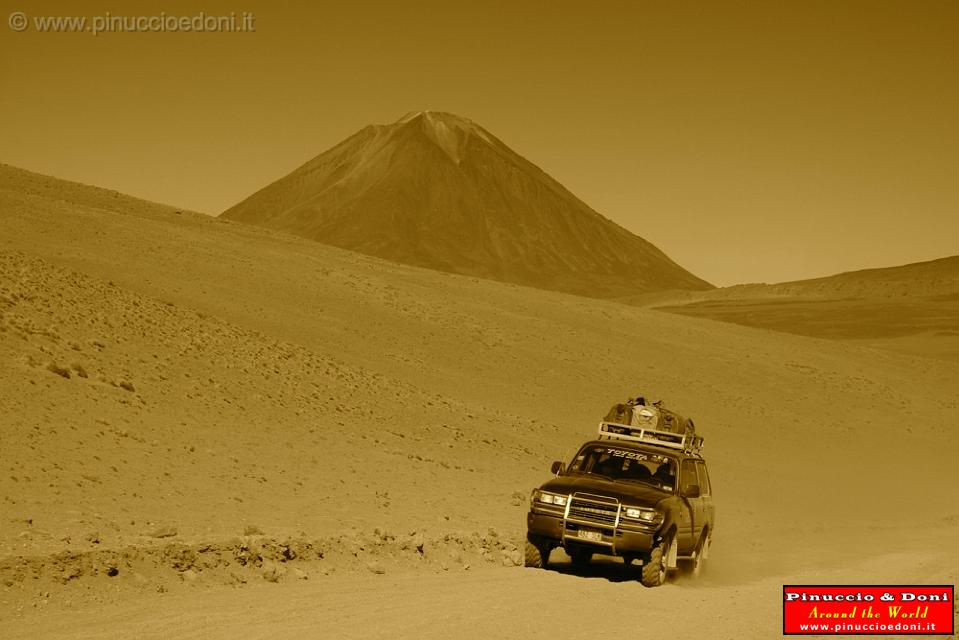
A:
[751,141]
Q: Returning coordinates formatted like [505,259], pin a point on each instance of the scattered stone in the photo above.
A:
[53,367]
[93,537]
[271,571]
[112,571]
[70,572]
[419,542]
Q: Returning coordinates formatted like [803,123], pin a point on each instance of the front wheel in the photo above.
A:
[536,557]
[654,570]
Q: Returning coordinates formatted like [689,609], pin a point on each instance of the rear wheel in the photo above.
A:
[537,556]
[702,552]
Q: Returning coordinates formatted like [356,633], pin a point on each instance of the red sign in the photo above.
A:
[868,609]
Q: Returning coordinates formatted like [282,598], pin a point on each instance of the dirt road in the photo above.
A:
[484,603]
[490,603]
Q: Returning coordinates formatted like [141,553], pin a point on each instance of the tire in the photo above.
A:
[702,552]
[654,571]
[535,558]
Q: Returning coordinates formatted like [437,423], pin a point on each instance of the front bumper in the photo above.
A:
[620,540]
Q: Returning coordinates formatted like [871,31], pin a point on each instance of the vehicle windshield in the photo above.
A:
[627,465]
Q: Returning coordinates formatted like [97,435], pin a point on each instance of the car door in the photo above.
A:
[691,521]
[709,512]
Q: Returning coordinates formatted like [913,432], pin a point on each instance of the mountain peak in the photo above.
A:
[476,208]
[447,131]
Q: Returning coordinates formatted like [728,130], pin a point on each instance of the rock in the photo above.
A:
[93,537]
[516,557]
[419,542]
[189,575]
[63,372]
[163,532]
[299,574]
[272,571]
[375,567]
[238,577]
[252,530]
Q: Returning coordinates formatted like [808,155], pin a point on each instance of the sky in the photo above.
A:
[751,141]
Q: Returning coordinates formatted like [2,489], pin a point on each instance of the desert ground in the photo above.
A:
[215,430]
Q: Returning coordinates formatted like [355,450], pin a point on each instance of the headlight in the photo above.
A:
[551,498]
[643,515]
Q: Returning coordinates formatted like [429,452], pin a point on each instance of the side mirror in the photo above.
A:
[692,491]
[557,468]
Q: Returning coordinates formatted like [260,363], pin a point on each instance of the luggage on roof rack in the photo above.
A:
[686,441]
[640,412]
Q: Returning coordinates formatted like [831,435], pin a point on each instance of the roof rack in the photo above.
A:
[688,443]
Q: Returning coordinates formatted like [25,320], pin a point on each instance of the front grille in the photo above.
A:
[599,512]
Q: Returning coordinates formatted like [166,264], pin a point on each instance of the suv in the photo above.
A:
[636,493]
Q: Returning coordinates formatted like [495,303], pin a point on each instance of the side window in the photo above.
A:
[703,478]
[688,474]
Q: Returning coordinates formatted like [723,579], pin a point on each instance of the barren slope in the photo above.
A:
[912,308]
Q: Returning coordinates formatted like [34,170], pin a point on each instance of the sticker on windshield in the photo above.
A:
[636,455]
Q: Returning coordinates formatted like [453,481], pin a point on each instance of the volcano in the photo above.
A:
[436,190]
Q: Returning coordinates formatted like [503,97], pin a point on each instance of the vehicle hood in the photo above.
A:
[630,493]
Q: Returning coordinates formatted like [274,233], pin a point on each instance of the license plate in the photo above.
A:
[595,536]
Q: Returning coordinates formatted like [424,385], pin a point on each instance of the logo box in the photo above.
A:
[868,609]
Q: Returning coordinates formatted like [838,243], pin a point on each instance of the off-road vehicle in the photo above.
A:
[641,494]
